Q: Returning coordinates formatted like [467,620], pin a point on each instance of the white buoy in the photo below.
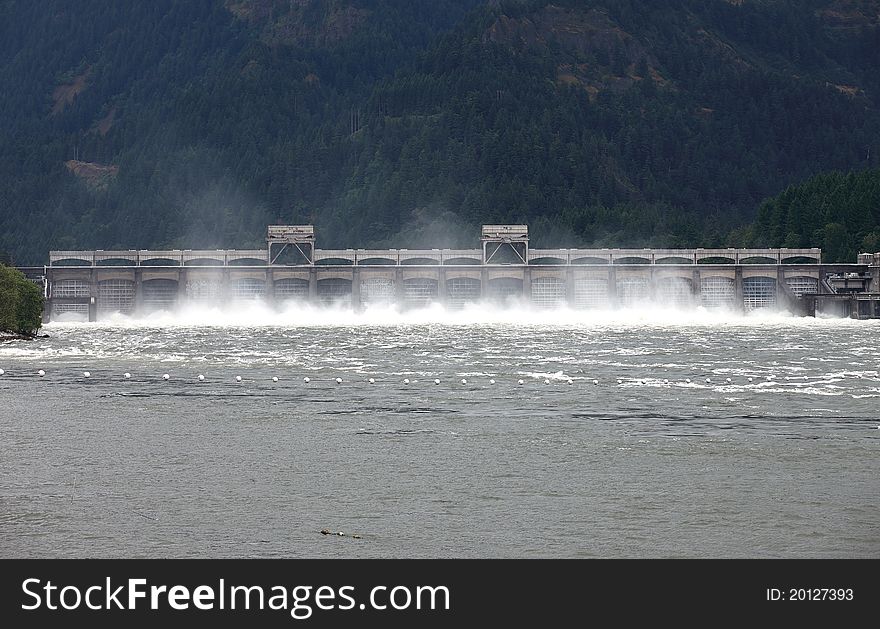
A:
[201,378]
[546,382]
[619,381]
[665,380]
[41,373]
[165,376]
[463,381]
[491,382]
[126,375]
[338,380]
[436,381]
[728,380]
[595,382]
[406,381]
[371,381]
[306,380]
[2,372]
[708,379]
[688,380]
[769,377]
[274,378]
[87,374]
[238,378]
[519,382]
[750,379]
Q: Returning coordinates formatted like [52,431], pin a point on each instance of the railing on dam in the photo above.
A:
[439,257]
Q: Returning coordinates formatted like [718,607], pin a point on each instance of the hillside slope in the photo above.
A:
[839,212]
[615,122]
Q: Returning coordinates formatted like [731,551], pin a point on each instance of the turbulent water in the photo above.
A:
[633,434]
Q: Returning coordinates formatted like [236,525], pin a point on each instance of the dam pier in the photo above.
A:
[291,269]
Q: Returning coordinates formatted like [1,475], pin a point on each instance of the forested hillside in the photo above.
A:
[836,211]
[195,123]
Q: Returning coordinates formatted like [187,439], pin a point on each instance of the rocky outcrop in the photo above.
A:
[96,176]
[301,22]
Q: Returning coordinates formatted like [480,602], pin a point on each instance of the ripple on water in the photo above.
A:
[224,465]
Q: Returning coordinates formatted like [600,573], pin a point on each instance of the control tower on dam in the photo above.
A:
[504,269]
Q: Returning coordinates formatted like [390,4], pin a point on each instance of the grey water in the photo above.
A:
[651,460]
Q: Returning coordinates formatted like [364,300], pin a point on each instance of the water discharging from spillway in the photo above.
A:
[258,314]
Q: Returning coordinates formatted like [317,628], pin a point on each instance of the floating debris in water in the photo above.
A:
[339,534]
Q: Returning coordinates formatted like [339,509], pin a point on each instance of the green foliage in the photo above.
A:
[836,211]
[382,121]
[21,303]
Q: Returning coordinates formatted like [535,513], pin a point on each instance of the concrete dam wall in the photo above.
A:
[93,284]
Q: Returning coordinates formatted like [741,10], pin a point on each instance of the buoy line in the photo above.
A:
[464,381]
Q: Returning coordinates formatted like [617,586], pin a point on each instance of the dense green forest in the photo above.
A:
[836,211]
[194,123]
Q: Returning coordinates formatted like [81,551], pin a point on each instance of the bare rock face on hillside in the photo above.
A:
[96,176]
[66,93]
[602,55]
[300,22]
[851,14]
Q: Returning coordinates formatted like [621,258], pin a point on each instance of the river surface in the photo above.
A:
[614,445]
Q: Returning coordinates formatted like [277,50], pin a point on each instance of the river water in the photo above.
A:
[614,445]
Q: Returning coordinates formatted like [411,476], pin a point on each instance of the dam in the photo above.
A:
[504,270]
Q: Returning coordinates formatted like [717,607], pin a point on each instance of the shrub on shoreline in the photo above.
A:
[21,304]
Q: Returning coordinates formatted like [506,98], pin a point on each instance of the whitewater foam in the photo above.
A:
[295,316]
